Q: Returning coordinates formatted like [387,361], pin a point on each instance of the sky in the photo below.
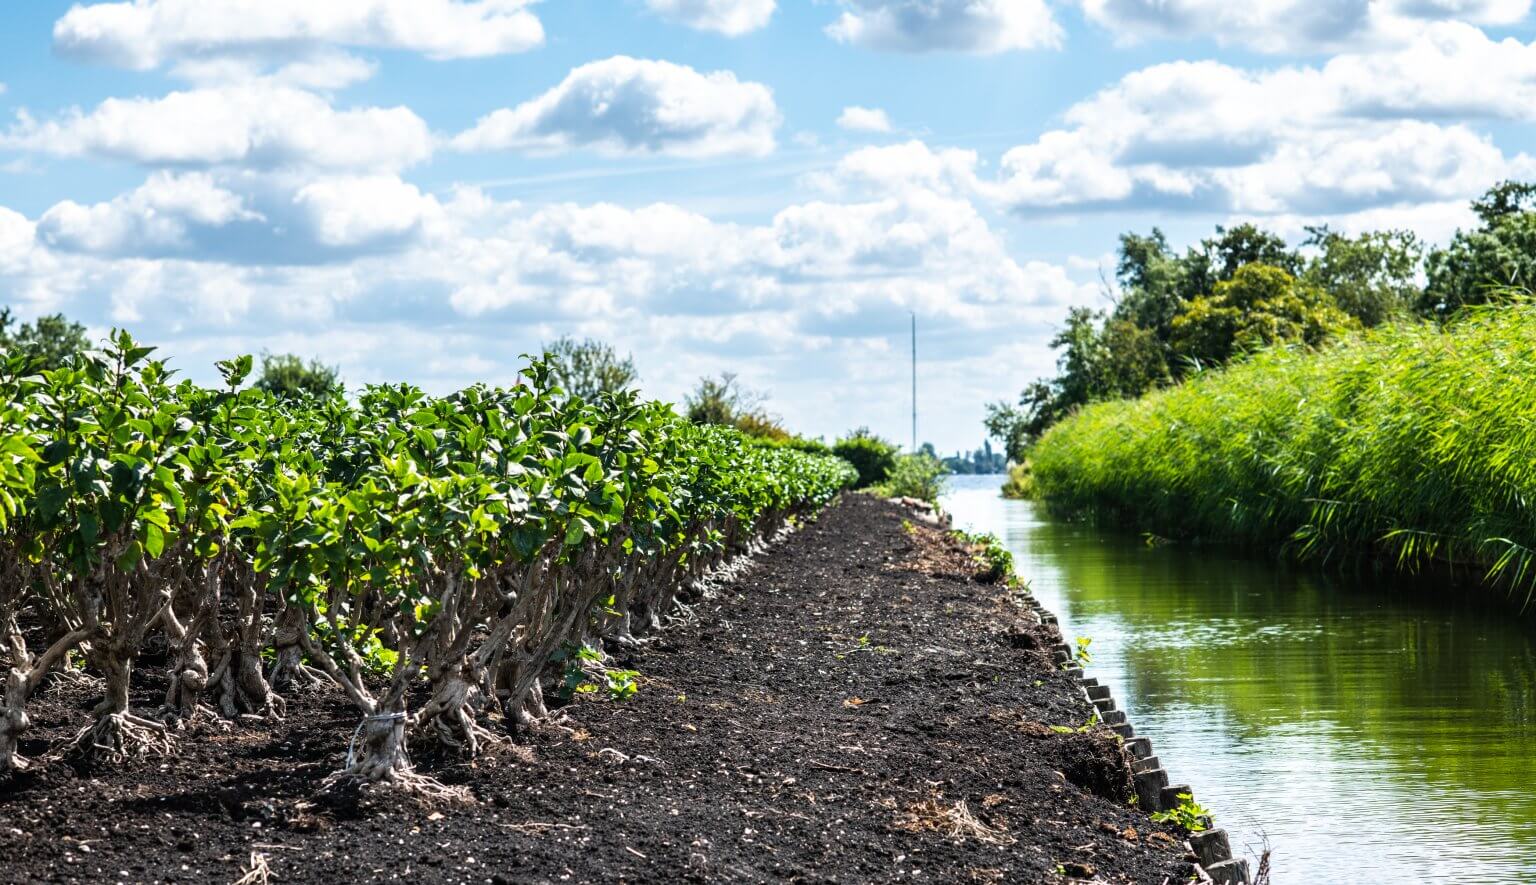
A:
[425,190]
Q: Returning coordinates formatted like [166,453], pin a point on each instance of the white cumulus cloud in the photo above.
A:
[260,125]
[625,105]
[730,17]
[145,34]
[1302,26]
[975,26]
[905,167]
[158,218]
[353,212]
[394,283]
[857,119]
[255,220]
[1364,130]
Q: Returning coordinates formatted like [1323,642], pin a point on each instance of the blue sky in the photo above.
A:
[425,189]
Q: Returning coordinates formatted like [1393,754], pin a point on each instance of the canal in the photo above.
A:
[1366,728]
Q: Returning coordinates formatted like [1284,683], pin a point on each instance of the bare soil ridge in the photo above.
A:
[854,707]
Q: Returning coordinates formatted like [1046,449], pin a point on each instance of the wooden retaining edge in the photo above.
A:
[1153,790]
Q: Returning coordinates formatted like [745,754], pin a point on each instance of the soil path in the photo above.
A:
[854,707]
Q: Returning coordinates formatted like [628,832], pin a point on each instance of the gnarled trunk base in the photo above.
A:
[118,735]
[289,670]
[243,688]
[183,699]
[13,724]
[378,755]
[451,713]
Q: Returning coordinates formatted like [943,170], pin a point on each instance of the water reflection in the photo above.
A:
[1370,732]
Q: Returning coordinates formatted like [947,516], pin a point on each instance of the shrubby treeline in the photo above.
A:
[1412,443]
[468,549]
[1245,289]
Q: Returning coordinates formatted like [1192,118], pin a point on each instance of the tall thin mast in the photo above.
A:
[914,382]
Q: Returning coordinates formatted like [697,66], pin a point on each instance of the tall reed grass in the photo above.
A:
[1413,442]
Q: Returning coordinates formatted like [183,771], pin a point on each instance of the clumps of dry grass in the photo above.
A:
[256,871]
[955,820]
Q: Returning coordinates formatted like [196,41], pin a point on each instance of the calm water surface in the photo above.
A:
[1368,731]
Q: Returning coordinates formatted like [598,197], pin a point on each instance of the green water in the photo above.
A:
[1369,730]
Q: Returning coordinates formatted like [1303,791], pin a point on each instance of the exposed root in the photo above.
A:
[622,639]
[547,724]
[289,672]
[116,738]
[533,717]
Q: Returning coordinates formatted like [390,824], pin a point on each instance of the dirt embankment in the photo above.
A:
[855,707]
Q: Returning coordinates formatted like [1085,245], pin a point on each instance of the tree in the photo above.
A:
[1261,305]
[1219,258]
[1489,263]
[1504,199]
[726,402]
[1009,425]
[287,376]
[588,367]
[1167,311]
[1134,360]
[720,400]
[1154,283]
[873,457]
[1372,277]
[1082,361]
[50,340]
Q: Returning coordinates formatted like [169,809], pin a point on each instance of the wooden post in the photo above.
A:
[1212,846]
[1149,789]
[1170,795]
[1229,872]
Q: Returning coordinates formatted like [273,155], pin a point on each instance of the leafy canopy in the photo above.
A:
[287,376]
[48,342]
[589,367]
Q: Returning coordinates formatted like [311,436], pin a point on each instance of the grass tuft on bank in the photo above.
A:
[1413,442]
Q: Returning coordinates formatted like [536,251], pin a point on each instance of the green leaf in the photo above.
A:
[154,539]
[129,558]
[90,528]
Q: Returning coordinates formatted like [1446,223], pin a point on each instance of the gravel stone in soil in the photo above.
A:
[854,707]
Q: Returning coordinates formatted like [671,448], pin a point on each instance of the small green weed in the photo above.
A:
[995,560]
[586,673]
[1081,729]
[1189,814]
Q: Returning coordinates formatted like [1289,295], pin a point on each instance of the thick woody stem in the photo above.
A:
[288,670]
[118,735]
[21,681]
[243,688]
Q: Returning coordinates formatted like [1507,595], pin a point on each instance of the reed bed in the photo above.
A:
[1415,443]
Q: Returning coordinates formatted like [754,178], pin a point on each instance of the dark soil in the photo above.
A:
[855,707]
